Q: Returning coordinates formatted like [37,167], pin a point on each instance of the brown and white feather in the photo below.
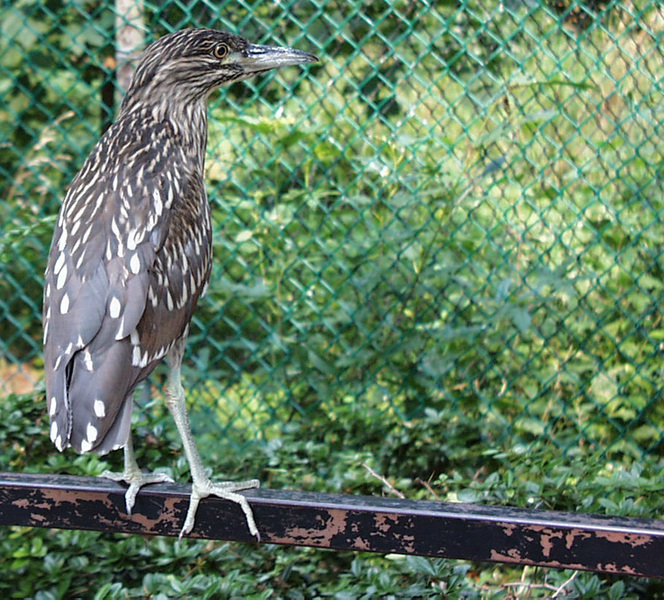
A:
[131,251]
[131,254]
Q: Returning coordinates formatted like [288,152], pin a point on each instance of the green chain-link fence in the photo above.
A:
[456,215]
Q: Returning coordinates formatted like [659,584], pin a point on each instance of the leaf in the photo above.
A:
[419,564]
[244,236]
[604,387]
[521,319]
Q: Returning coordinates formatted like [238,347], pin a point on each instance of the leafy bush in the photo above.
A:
[318,455]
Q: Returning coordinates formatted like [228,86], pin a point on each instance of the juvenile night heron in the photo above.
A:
[131,255]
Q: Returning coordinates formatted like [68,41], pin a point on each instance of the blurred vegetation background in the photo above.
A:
[438,254]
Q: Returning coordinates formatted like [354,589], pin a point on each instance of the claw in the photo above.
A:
[226,490]
[136,480]
[133,476]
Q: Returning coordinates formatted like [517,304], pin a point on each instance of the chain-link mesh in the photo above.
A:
[459,209]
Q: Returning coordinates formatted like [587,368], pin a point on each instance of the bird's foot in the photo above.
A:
[226,490]
[135,479]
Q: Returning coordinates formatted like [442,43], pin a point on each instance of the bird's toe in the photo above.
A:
[135,479]
[226,490]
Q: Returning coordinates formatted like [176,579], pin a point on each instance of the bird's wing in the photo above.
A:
[103,270]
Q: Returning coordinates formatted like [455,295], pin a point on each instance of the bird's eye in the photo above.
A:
[220,50]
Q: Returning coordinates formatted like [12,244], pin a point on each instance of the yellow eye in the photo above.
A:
[220,50]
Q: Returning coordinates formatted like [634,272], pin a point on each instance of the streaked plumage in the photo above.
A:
[131,252]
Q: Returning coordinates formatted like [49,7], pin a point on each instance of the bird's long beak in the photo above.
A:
[259,58]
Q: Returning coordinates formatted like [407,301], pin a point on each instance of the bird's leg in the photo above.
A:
[201,487]
[133,476]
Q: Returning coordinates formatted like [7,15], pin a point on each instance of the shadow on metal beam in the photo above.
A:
[616,545]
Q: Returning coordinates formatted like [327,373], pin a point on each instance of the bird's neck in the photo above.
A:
[190,124]
[188,121]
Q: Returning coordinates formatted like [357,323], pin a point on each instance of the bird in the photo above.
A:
[131,254]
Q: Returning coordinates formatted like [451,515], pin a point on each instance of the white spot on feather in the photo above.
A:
[80,260]
[158,204]
[136,356]
[120,334]
[135,264]
[86,446]
[91,433]
[62,242]
[62,278]
[86,235]
[53,405]
[54,431]
[152,222]
[169,198]
[64,304]
[153,297]
[131,240]
[184,298]
[99,408]
[75,247]
[77,224]
[87,360]
[59,263]
[114,308]
[115,229]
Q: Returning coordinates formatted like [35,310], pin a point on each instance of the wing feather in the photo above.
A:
[114,300]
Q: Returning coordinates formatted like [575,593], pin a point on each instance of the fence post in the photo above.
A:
[129,38]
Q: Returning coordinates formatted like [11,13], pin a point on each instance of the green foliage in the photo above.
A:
[308,455]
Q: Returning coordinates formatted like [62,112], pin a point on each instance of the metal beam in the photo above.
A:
[616,545]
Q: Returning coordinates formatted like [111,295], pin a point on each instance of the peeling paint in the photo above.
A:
[613,568]
[384,522]
[546,539]
[633,540]
[621,546]
[327,527]
[361,544]
[574,536]
[511,556]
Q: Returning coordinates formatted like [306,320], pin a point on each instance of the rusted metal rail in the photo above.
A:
[616,545]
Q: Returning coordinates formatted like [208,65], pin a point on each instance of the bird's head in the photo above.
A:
[189,64]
